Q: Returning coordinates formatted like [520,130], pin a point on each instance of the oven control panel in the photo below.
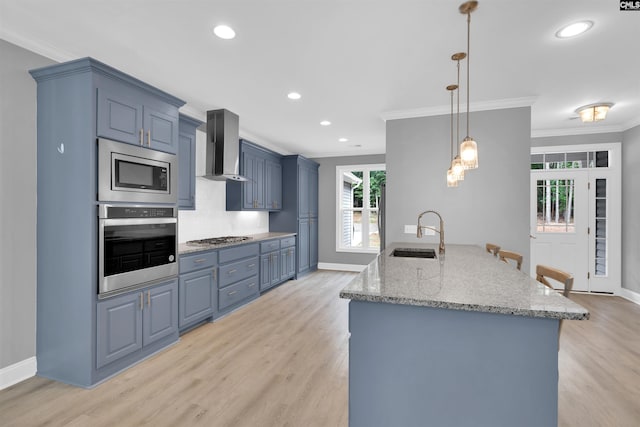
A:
[139,212]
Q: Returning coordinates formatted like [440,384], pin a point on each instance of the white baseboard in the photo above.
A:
[340,267]
[630,295]
[17,372]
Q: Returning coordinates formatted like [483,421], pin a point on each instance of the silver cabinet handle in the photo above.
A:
[251,285]
[141,301]
[141,136]
[215,274]
[232,293]
[148,298]
[198,261]
[251,265]
[149,138]
[231,271]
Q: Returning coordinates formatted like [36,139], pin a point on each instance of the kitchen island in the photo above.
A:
[462,341]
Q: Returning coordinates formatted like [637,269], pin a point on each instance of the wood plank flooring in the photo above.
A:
[283,361]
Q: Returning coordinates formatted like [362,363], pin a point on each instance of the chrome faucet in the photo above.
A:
[440,232]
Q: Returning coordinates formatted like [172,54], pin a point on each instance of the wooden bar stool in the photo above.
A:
[505,255]
[543,272]
[492,249]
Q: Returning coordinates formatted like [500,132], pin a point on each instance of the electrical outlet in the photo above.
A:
[410,229]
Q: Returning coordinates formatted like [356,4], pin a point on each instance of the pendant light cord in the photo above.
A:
[451,125]
[458,114]
[468,67]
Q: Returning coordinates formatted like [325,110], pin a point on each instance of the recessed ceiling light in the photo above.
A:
[224,32]
[325,123]
[574,29]
[343,140]
[294,95]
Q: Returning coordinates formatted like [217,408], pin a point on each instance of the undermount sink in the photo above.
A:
[414,253]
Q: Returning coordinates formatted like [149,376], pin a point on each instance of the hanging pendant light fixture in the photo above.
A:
[456,165]
[452,180]
[468,148]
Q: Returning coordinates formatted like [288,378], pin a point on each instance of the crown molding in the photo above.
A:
[631,123]
[498,104]
[39,47]
[542,133]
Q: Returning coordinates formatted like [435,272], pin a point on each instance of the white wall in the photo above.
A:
[210,219]
[17,204]
[491,205]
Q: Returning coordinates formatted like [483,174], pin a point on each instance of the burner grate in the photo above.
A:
[219,240]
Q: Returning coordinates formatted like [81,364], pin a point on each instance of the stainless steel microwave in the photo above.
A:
[129,173]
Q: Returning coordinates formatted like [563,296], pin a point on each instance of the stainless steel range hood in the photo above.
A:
[222,160]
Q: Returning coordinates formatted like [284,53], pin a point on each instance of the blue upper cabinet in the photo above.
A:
[187,162]
[263,190]
[133,115]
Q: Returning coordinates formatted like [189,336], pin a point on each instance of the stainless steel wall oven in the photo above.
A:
[137,246]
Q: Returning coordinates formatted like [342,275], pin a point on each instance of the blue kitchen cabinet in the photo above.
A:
[81,339]
[273,184]
[238,277]
[263,190]
[270,264]
[299,213]
[128,323]
[187,162]
[198,288]
[133,116]
[288,258]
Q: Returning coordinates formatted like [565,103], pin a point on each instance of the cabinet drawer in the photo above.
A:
[198,261]
[236,271]
[288,241]
[237,292]
[239,252]
[269,246]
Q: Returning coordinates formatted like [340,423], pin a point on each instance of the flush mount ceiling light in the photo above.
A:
[325,123]
[574,29]
[294,95]
[343,140]
[594,112]
[224,32]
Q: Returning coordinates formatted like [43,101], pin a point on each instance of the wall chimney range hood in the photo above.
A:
[222,160]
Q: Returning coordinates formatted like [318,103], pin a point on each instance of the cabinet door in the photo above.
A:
[160,315]
[161,130]
[119,117]
[186,171]
[273,185]
[265,271]
[119,326]
[303,191]
[291,263]
[198,296]
[303,245]
[254,188]
[313,243]
[275,268]
[313,192]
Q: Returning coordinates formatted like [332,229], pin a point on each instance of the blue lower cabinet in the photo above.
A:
[198,296]
[233,294]
[287,263]
[128,323]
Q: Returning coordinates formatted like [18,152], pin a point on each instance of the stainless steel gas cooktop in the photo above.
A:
[219,240]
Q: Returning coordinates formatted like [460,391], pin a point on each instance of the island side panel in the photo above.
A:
[415,366]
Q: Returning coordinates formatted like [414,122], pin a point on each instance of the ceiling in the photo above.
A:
[355,62]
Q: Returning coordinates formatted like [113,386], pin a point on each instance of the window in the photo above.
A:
[358,197]
[570,160]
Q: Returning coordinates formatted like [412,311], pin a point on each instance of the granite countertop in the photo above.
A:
[468,279]
[185,248]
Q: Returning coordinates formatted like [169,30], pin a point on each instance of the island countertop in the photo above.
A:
[468,279]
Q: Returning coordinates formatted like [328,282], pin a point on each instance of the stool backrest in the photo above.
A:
[505,255]
[492,249]
[543,272]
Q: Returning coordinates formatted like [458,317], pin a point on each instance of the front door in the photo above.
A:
[559,223]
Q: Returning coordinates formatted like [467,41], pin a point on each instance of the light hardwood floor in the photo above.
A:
[283,361]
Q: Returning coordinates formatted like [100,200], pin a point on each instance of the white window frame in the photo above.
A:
[366,211]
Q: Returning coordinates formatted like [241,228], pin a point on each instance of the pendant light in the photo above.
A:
[452,181]
[456,165]
[468,148]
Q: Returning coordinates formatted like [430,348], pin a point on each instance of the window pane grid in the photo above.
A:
[601,224]
[570,160]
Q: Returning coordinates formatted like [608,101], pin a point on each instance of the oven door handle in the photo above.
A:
[138,221]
